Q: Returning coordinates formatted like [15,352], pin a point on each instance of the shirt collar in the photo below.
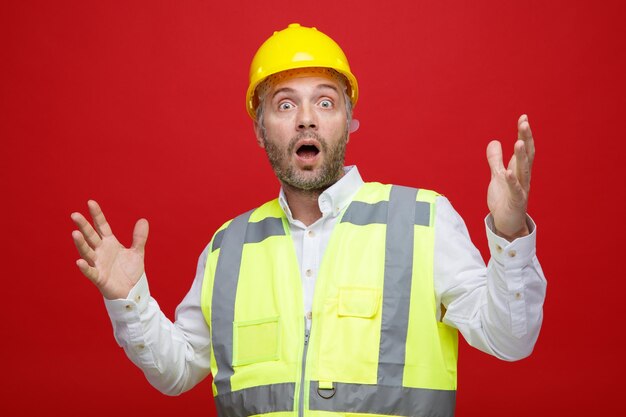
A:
[335,198]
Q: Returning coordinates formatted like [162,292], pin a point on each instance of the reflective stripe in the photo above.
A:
[400,213]
[217,240]
[362,214]
[422,213]
[256,232]
[380,399]
[223,301]
[256,400]
[397,285]
[259,231]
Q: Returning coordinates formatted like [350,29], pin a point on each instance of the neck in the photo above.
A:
[303,204]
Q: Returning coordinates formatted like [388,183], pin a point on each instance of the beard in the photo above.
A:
[328,173]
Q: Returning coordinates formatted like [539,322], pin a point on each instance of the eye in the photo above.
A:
[326,104]
[285,105]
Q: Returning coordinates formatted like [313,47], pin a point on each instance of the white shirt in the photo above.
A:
[497,309]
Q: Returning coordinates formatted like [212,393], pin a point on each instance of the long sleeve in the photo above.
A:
[173,356]
[497,308]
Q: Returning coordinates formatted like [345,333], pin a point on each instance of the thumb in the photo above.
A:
[140,235]
[494,157]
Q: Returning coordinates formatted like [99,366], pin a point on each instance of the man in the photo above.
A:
[340,296]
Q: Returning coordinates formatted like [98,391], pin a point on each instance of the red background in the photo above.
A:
[140,105]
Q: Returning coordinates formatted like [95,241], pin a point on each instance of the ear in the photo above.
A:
[259,134]
[354,125]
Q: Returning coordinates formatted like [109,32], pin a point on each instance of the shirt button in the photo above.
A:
[309,272]
[498,248]
[138,298]
[518,296]
[311,233]
[309,315]
[512,253]
[141,346]
[129,307]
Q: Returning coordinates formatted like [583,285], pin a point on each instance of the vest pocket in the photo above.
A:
[256,341]
[358,302]
[350,335]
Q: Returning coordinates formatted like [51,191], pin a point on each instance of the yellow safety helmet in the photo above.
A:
[297,47]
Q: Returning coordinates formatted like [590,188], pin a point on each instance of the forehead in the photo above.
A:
[301,78]
[305,83]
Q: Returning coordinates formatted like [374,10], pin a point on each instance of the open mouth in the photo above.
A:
[307,151]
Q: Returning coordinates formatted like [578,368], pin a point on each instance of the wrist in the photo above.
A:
[119,292]
[521,232]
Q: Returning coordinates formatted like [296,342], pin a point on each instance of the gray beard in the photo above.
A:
[330,172]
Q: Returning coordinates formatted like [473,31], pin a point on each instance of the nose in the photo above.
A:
[307,118]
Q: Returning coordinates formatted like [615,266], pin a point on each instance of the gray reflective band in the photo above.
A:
[223,301]
[259,231]
[362,214]
[397,285]
[422,213]
[256,400]
[217,240]
[256,232]
[378,399]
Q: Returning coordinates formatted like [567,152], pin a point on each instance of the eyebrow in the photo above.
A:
[291,90]
[332,87]
[283,90]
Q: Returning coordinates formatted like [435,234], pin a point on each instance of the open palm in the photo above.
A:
[113,268]
[507,195]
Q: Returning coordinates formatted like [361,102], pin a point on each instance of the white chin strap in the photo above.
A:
[354,125]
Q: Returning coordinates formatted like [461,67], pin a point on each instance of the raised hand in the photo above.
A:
[113,268]
[507,196]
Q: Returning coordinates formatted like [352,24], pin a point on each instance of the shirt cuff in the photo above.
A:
[519,251]
[127,309]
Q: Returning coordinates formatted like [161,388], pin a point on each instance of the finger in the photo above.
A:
[84,250]
[90,235]
[99,221]
[140,234]
[494,157]
[87,270]
[522,170]
[515,188]
[525,134]
[523,118]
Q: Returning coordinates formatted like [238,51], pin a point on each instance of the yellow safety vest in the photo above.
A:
[375,346]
